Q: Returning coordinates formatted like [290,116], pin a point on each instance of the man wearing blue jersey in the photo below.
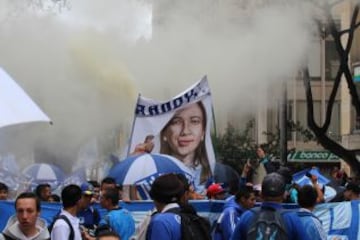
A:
[166,191]
[117,219]
[233,209]
[272,192]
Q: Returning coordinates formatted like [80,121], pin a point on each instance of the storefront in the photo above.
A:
[324,160]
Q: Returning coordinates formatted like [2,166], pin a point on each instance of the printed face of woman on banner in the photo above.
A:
[183,137]
[184,133]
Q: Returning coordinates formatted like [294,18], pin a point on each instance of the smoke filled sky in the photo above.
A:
[85,63]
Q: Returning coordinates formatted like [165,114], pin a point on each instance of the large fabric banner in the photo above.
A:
[340,220]
[158,122]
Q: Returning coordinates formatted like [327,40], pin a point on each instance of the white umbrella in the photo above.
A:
[146,167]
[38,173]
[15,105]
[142,170]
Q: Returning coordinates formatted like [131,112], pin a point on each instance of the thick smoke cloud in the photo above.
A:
[85,63]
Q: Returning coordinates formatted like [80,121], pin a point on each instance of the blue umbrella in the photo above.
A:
[145,168]
[44,173]
[302,178]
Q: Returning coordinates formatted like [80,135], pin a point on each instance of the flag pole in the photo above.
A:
[132,128]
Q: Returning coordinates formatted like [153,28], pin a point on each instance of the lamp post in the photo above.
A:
[282,124]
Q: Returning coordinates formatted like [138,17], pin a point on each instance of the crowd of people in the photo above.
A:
[78,218]
[240,219]
[173,217]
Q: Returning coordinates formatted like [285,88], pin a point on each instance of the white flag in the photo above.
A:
[15,105]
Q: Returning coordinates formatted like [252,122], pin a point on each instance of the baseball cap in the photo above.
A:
[87,189]
[273,185]
[214,189]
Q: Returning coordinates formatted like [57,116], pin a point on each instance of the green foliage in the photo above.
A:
[272,147]
[236,147]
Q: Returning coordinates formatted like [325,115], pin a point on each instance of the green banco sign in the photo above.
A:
[312,156]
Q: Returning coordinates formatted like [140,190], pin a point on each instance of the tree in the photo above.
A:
[273,145]
[320,131]
[236,147]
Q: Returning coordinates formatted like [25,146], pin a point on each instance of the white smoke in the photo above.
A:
[85,62]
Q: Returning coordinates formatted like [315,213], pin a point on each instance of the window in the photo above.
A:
[314,60]
[332,62]
[301,115]
[331,59]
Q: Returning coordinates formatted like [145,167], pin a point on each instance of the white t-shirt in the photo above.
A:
[61,229]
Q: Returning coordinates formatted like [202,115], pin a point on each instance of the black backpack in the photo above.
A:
[267,224]
[63,217]
[193,226]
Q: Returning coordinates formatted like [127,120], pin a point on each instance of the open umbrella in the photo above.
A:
[44,173]
[15,105]
[142,170]
[145,168]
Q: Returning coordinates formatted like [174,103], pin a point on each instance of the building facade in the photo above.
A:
[323,64]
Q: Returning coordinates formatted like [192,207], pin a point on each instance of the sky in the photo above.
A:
[86,61]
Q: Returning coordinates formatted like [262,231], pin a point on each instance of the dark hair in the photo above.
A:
[107,233]
[29,195]
[353,186]
[94,183]
[307,196]
[245,192]
[184,181]
[70,195]
[41,188]
[56,197]
[167,188]
[108,180]
[112,194]
[286,173]
[3,186]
